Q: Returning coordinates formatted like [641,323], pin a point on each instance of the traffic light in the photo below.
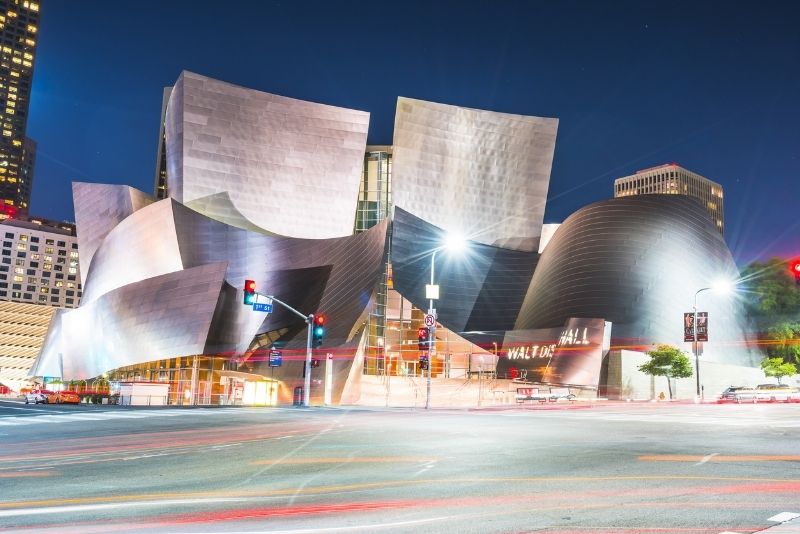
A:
[794,266]
[423,362]
[423,336]
[318,332]
[249,292]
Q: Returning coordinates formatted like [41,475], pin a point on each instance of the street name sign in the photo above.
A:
[262,307]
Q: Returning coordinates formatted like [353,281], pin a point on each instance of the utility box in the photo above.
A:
[143,393]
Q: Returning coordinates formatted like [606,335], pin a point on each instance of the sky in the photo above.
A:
[712,86]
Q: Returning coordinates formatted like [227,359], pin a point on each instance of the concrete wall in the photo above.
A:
[625,381]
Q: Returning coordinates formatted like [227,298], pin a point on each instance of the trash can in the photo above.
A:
[298,396]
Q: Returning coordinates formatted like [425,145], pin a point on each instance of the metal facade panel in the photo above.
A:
[480,289]
[477,173]
[99,208]
[637,262]
[290,167]
[355,262]
[160,317]
[141,246]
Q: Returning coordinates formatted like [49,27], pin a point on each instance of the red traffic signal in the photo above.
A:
[249,292]
[318,331]
[794,267]
[423,335]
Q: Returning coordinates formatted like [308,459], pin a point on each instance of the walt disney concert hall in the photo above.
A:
[283,192]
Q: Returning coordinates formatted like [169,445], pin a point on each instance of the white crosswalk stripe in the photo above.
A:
[61,417]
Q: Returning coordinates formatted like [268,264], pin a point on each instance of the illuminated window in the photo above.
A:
[44,290]
[12,14]
[73,254]
[73,270]
[30,42]
[59,283]
[23,237]
[34,6]
[31,28]
[16,142]
[18,278]
[19,270]
[22,246]
[48,266]
[35,257]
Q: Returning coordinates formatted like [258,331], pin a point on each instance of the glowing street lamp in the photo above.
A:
[454,243]
[721,287]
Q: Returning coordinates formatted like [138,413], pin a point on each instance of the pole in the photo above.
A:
[431,330]
[307,384]
[694,344]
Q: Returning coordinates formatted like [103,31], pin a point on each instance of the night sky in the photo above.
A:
[714,87]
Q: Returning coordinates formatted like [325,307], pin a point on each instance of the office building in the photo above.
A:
[19,26]
[672,179]
[39,274]
[160,188]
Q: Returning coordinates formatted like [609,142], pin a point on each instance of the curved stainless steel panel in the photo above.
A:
[477,173]
[290,167]
[637,262]
[99,208]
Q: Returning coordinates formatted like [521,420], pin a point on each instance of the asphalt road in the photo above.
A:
[622,468]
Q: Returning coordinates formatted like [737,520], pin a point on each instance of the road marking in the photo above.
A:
[322,490]
[69,416]
[783,517]
[346,460]
[25,474]
[707,458]
[718,458]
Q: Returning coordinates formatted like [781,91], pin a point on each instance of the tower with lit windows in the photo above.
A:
[19,24]
[672,179]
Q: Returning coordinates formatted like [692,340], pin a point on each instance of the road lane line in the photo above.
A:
[346,460]
[707,458]
[720,458]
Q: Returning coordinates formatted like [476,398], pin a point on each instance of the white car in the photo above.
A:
[36,397]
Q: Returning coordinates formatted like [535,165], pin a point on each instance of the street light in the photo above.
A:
[722,287]
[451,242]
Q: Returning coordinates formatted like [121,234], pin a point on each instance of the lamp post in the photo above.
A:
[694,343]
[453,243]
[722,287]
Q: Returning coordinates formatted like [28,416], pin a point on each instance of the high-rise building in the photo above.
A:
[160,189]
[19,24]
[672,179]
[39,273]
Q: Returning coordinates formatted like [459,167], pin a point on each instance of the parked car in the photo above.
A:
[777,393]
[738,394]
[63,397]
[37,396]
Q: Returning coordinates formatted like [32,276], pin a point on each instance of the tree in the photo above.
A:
[771,289]
[785,338]
[669,362]
[778,368]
